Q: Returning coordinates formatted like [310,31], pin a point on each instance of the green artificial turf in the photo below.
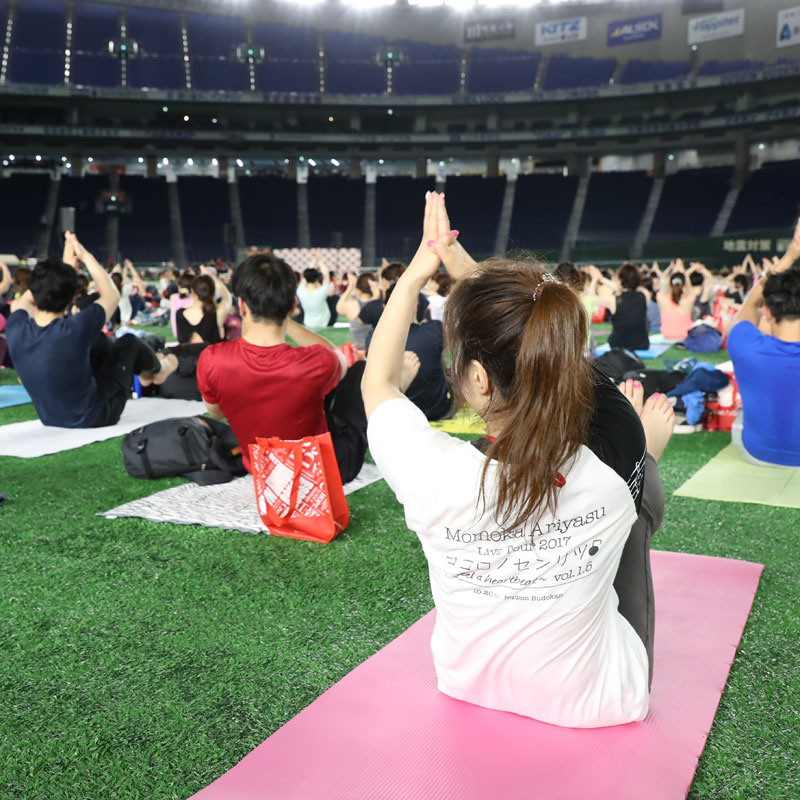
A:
[142,660]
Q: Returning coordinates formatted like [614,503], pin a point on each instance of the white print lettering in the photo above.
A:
[544,557]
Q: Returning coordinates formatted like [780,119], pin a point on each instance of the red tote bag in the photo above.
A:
[298,488]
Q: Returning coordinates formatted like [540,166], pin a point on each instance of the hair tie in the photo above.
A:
[676,280]
[547,277]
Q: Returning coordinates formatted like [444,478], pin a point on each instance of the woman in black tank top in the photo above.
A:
[203,320]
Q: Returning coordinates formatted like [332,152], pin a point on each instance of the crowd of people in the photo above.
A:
[566,477]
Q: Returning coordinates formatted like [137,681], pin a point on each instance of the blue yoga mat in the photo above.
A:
[654,352]
[13,396]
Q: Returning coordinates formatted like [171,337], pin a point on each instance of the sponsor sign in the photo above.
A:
[788,32]
[480,31]
[637,29]
[560,31]
[716,26]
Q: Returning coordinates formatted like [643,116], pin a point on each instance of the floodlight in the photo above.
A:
[63,158]
[761,146]
[164,161]
[11,157]
[189,162]
[390,111]
[165,109]
[214,162]
[334,162]
[38,158]
[239,162]
[312,162]
[90,159]
[141,160]
[380,161]
[214,120]
[185,117]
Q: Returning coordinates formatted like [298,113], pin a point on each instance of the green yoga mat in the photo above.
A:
[730,479]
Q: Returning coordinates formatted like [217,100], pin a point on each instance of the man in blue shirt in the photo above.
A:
[767,366]
[76,376]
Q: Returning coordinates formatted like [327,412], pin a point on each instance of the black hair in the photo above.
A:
[696,279]
[628,276]
[364,283]
[743,282]
[567,272]
[312,275]
[82,286]
[53,285]
[266,284]
[782,294]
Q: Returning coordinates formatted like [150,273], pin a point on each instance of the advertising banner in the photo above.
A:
[788,32]
[483,30]
[637,29]
[716,26]
[560,31]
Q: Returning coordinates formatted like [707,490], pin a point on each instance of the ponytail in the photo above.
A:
[205,290]
[528,332]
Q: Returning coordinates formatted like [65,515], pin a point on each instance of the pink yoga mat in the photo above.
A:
[384,732]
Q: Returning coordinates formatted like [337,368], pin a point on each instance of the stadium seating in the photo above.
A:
[269,210]
[566,72]
[638,71]
[474,205]
[212,45]
[431,69]
[615,203]
[490,70]
[690,202]
[542,207]
[723,67]
[38,43]
[83,194]
[399,203]
[145,234]
[336,206]
[159,64]
[22,206]
[93,27]
[286,41]
[299,77]
[205,210]
[770,198]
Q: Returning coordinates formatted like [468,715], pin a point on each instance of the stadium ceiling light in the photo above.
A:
[239,162]
[11,157]
[285,160]
[390,111]
[69,166]
[761,145]
[90,159]
[302,158]
[164,161]
[671,157]
[214,120]
[5,163]
[380,161]
[189,162]
[140,160]
[214,162]
[330,119]
[185,117]
[312,162]
[38,158]
[63,158]
[165,109]
[334,162]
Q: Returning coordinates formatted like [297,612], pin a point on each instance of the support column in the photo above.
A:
[741,158]
[222,167]
[355,168]
[152,167]
[659,163]
[77,166]
[422,168]
[493,165]
[291,169]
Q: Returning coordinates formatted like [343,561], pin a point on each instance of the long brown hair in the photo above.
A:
[676,283]
[529,335]
[204,288]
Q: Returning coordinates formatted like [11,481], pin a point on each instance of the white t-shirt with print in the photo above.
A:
[527,619]
[317,313]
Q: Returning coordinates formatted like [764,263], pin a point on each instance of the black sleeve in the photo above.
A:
[616,435]
[184,331]
[422,308]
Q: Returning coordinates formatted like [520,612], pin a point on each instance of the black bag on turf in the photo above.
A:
[199,448]
[616,362]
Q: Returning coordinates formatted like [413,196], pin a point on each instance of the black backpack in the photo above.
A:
[616,362]
[199,448]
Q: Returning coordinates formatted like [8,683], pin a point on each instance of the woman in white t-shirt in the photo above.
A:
[313,294]
[528,532]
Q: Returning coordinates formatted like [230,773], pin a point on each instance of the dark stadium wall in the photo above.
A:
[443,25]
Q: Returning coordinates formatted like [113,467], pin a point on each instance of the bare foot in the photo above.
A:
[634,391]
[658,420]
[169,363]
[410,369]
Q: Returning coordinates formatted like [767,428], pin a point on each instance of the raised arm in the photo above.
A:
[133,275]
[109,296]
[5,278]
[346,305]
[750,310]
[381,381]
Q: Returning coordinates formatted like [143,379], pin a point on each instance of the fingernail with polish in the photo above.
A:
[430,243]
[454,234]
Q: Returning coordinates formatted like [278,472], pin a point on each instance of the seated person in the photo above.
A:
[313,293]
[767,366]
[76,376]
[388,275]
[267,388]
[429,391]
[513,631]
[360,290]
[628,307]
[204,319]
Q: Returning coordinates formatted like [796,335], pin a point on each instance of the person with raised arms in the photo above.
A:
[76,376]
[536,535]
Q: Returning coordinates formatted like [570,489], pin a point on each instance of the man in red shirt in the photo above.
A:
[265,387]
